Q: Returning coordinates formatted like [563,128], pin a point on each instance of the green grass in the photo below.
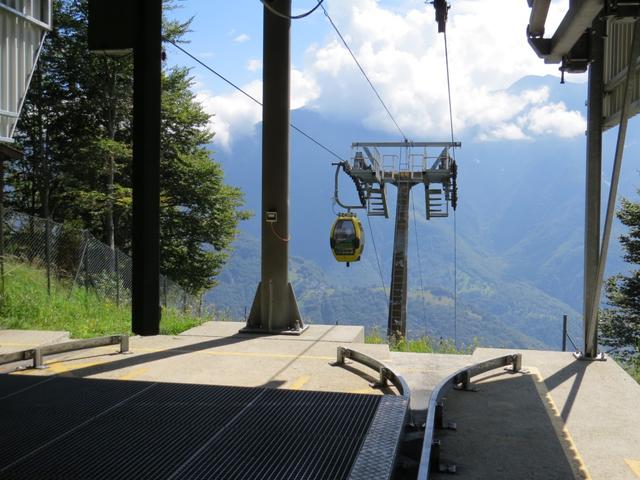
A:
[420,345]
[27,306]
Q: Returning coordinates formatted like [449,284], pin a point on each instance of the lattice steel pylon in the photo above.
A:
[404,165]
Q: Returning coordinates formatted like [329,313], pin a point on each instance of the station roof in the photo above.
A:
[569,46]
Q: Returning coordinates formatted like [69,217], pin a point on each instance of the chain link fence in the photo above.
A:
[79,259]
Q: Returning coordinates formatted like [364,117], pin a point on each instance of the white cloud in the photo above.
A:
[232,114]
[554,119]
[504,131]
[403,56]
[235,116]
[243,37]
[254,65]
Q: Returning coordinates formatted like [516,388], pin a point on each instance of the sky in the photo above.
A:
[398,45]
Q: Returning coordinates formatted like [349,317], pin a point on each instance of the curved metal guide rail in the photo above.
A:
[385,373]
[429,459]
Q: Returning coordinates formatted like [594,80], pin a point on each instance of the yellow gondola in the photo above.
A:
[347,238]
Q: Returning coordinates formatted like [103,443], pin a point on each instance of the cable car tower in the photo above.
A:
[375,165]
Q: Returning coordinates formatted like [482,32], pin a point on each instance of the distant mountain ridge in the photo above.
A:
[519,235]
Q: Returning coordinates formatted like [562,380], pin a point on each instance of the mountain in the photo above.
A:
[518,232]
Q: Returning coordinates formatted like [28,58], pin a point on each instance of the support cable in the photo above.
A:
[373,240]
[290,17]
[404,137]
[415,229]
[249,96]
[455,231]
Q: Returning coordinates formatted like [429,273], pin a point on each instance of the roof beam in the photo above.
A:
[539,11]
[577,20]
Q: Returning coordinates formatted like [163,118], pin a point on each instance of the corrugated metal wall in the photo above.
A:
[617,46]
[23,24]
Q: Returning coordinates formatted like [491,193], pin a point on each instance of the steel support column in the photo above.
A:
[634,52]
[397,326]
[145,302]
[593,187]
[274,307]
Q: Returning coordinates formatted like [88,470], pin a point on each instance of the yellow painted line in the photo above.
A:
[131,374]
[566,440]
[364,391]
[634,465]
[243,354]
[299,383]
[57,368]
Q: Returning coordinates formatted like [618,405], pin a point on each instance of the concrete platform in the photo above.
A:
[561,418]
[218,355]
[16,340]
[325,333]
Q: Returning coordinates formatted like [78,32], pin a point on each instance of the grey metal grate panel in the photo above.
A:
[290,434]
[378,453]
[103,429]
[34,416]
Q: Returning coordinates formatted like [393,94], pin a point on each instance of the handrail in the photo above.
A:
[37,354]
[461,378]
[386,374]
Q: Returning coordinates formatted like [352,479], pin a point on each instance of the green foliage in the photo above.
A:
[76,131]
[424,344]
[620,322]
[26,305]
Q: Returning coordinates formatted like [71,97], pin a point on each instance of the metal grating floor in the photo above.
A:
[73,428]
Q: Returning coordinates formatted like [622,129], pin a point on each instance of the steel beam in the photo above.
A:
[592,347]
[397,322]
[578,19]
[145,302]
[538,17]
[274,307]
[593,187]
[406,144]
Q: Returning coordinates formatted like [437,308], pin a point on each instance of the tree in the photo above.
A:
[620,323]
[77,136]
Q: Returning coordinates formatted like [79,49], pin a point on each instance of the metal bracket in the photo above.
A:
[440,422]
[435,459]
[600,357]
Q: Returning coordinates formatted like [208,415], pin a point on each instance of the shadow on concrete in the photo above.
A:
[130,361]
[505,431]
[133,360]
[575,369]
[365,376]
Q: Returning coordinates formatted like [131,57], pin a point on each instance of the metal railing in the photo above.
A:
[37,354]
[430,457]
[384,372]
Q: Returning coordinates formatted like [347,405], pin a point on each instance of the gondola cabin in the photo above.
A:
[347,238]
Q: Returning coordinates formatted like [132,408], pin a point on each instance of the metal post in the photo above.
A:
[593,185]
[397,324]
[2,160]
[85,259]
[145,302]
[116,271]
[564,332]
[47,252]
[164,291]
[275,308]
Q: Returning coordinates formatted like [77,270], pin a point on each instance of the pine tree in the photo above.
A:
[620,323]
[76,134]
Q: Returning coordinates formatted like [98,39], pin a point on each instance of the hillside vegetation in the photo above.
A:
[26,305]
